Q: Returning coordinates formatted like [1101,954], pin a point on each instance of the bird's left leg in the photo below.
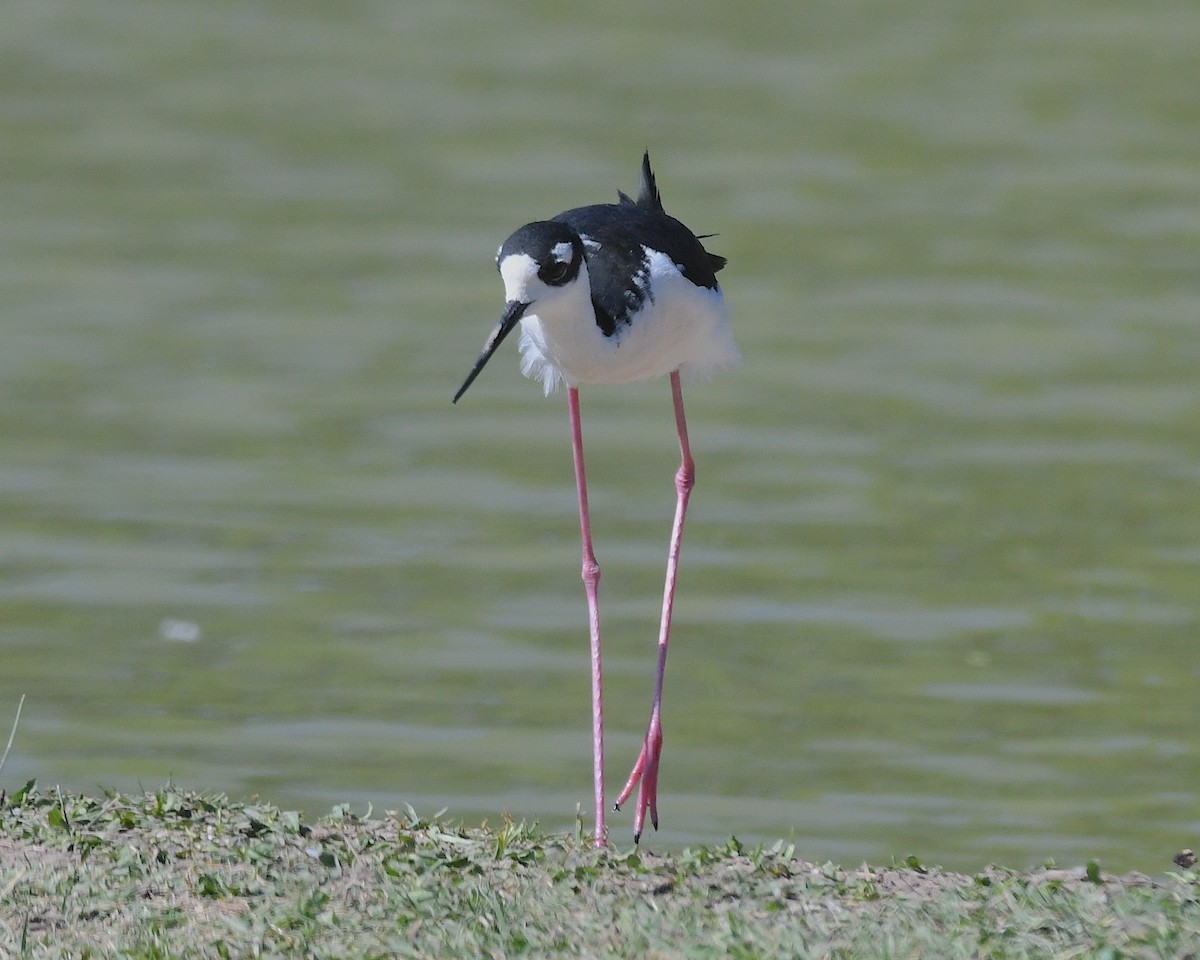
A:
[646,768]
[591,581]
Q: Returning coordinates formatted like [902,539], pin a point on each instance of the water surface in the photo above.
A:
[940,584]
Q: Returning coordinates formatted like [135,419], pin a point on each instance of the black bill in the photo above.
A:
[513,311]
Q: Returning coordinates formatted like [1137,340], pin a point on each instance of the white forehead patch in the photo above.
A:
[561,252]
[518,270]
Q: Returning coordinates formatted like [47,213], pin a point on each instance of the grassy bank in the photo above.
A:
[175,874]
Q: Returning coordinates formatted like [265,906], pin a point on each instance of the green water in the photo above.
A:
[940,590]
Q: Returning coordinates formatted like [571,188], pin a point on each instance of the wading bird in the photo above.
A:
[612,293]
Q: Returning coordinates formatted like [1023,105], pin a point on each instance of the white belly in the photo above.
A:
[683,328]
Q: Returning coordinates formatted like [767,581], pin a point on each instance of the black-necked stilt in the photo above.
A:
[609,294]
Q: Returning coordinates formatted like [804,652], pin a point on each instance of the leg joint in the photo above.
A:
[591,571]
[685,479]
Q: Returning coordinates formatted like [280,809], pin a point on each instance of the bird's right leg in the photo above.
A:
[591,581]
[645,770]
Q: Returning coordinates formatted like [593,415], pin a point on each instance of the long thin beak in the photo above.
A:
[513,311]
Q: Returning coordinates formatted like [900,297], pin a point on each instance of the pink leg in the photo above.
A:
[591,579]
[646,768]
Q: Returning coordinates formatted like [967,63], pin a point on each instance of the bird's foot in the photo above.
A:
[645,772]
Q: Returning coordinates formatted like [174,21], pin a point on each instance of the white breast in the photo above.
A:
[680,327]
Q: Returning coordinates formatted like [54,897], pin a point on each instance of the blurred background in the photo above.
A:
[940,590]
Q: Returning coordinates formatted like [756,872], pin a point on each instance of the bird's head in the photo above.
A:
[539,263]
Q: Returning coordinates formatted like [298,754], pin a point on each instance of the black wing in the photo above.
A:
[616,236]
[648,195]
